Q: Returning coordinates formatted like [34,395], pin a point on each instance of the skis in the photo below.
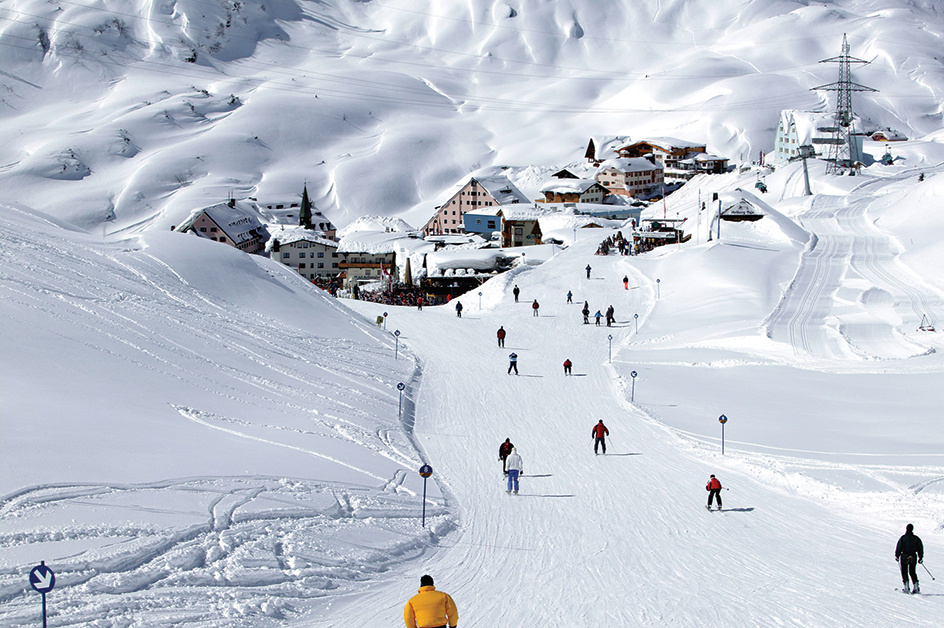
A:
[719,509]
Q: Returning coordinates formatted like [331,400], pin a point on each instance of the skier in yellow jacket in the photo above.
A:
[430,608]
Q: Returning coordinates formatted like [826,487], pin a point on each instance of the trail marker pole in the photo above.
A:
[42,579]
[610,338]
[425,472]
[632,395]
[658,291]
[636,321]
[396,355]
[722,419]
[480,301]
[385,321]
[400,388]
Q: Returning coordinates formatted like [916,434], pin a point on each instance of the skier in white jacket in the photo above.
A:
[515,468]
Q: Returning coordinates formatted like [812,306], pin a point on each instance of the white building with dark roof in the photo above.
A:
[306,251]
[603,147]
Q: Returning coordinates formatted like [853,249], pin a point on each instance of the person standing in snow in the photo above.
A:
[714,491]
[909,552]
[513,363]
[516,292]
[567,365]
[570,296]
[588,271]
[535,306]
[430,608]
[515,468]
[459,309]
[586,313]
[598,316]
[610,318]
[625,282]
[503,450]
[501,336]
[599,435]
[419,303]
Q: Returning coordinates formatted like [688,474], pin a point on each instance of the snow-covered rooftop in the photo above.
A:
[630,164]
[568,186]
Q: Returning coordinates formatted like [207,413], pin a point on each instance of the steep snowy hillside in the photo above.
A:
[181,421]
[137,112]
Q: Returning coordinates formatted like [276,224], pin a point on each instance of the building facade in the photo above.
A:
[311,256]
[632,177]
[476,194]
[228,223]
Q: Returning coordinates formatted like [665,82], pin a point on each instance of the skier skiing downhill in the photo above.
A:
[588,269]
[501,336]
[599,436]
[567,366]
[714,491]
[586,313]
[908,553]
[513,363]
[459,309]
[570,296]
[625,282]
[516,292]
[515,468]
[535,306]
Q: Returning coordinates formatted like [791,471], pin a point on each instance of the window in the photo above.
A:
[301,256]
[320,254]
[302,265]
[286,255]
[491,224]
[222,239]
[367,273]
[320,265]
[213,229]
[334,255]
[519,230]
[203,229]
[334,265]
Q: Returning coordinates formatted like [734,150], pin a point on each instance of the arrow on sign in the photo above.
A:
[42,578]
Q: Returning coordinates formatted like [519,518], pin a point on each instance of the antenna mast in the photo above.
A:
[843,151]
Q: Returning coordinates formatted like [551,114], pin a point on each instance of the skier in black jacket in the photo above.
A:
[908,553]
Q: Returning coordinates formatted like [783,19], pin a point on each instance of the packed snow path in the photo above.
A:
[851,264]
[622,539]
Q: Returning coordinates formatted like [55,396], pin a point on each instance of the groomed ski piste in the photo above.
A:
[186,450]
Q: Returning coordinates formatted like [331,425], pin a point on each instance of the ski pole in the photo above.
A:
[929,572]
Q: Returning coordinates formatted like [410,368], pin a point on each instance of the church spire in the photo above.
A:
[304,214]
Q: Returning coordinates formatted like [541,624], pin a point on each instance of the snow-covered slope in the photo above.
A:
[139,112]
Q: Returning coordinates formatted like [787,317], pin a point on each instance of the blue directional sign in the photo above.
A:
[426,471]
[42,579]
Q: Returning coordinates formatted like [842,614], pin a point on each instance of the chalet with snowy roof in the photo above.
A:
[636,176]
[368,256]
[302,213]
[667,151]
[574,191]
[701,163]
[603,147]
[889,135]
[305,251]
[520,228]
[231,223]
[478,193]
[740,211]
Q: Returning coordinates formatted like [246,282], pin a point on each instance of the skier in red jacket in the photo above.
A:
[599,436]
[714,491]
[567,366]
